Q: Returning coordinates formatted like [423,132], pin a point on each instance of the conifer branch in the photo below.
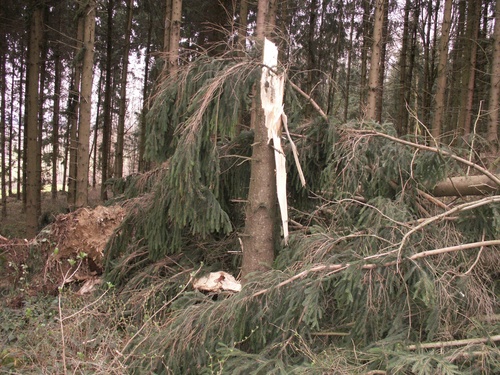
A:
[445,344]
[334,268]
[310,100]
[484,171]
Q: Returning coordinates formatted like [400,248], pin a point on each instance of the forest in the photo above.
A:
[250,187]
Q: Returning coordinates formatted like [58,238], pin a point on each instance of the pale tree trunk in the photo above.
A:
[175,37]
[492,135]
[439,99]
[259,232]
[32,196]
[82,171]
[465,116]
[123,95]
[373,78]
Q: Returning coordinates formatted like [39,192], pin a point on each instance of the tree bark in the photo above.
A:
[3,128]
[494,107]
[175,37]
[439,100]
[242,27]
[349,68]
[259,232]
[145,106]
[55,122]
[35,36]
[106,127]
[467,185]
[123,95]
[373,79]
[364,53]
[82,172]
[465,116]
[73,111]
[381,73]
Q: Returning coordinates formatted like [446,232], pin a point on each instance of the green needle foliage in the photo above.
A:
[350,294]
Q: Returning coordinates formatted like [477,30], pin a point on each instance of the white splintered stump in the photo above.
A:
[271,95]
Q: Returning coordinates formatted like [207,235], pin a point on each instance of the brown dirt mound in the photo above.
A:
[69,250]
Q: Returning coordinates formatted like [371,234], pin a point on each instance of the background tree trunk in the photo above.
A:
[373,79]
[175,37]
[82,172]
[123,94]
[439,100]
[494,107]
[469,78]
[3,117]
[106,127]
[73,111]
[55,122]
[32,196]
[242,27]
[142,131]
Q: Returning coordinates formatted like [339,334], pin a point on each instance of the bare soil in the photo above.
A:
[67,251]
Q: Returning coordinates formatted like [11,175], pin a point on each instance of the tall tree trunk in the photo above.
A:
[175,37]
[55,122]
[167,27]
[73,113]
[82,170]
[429,59]
[41,115]
[349,67]
[11,133]
[373,79]
[20,132]
[106,127]
[383,53]
[142,136]
[34,49]
[465,116]
[403,61]
[439,102]
[96,131]
[3,128]
[123,95]
[365,27]
[494,107]
[258,236]
[242,27]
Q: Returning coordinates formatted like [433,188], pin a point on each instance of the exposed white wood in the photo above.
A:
[271,95]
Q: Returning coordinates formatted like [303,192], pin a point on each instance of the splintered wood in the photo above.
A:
[271,96]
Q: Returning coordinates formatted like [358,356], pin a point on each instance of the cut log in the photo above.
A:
[465,185]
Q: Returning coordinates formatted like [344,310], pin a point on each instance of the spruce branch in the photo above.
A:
[310,100]
[437,150]
[335,268]
[446,344]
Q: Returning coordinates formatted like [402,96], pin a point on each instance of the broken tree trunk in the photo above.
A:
[465,185]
